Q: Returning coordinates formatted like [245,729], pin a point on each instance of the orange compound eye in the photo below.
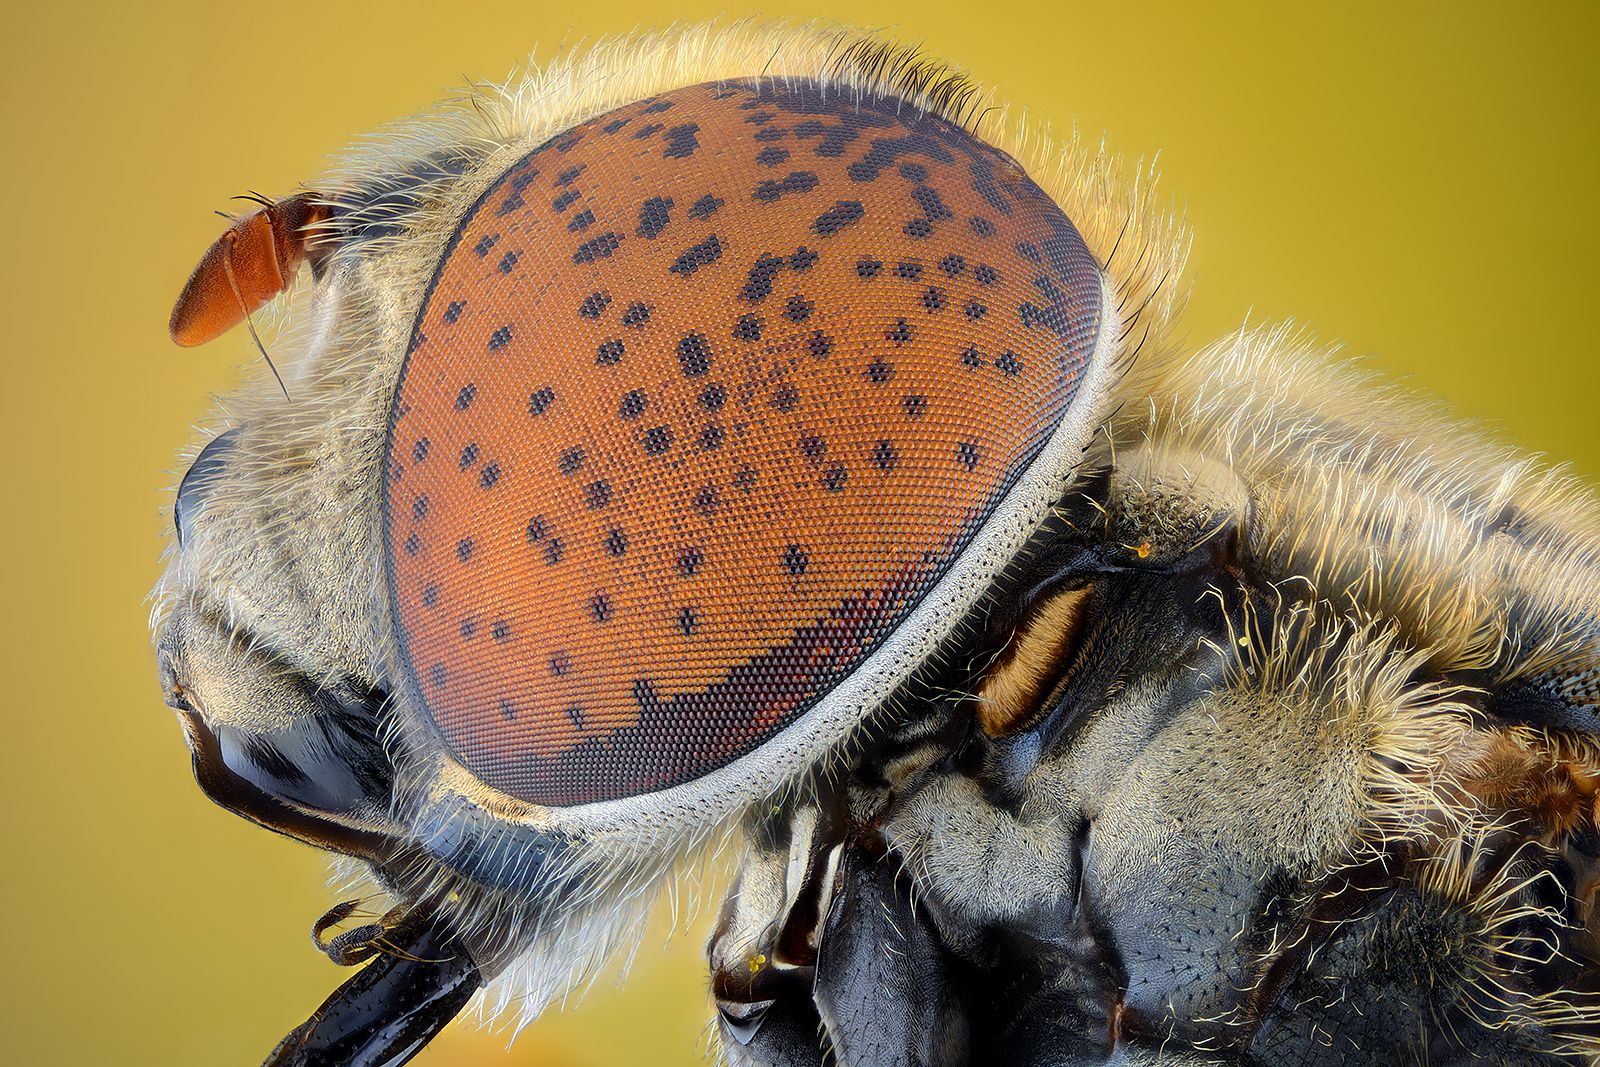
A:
[707,393]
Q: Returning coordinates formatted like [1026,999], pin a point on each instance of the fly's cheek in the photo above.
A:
[707,393]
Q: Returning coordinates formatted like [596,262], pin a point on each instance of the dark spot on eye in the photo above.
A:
[609,352]
[469,629]
[834,478]
[713,396]
[795,560]
[813,446]
[918,228]
[508,261]
[975,310]
[508,710]
[705,500]
[464,398]
[748,328]
[1028,251]
[633,403]
[600,607]
[594,304]
[464,549]
[616,541]
[971,358]
[769,133]
[565,200]
[654,214]
[803,259]
[711,437]
[927,198]
[553,551]
[694,257]
[832,140]
[915,405]
[800,181]
[648,129]
[538,529]
[744,479]
[967,454]
[879,371]
[481,249]
[798,309]
[687,621]
[568,176]
[657,440]
[413,544]
[985,274]
[540,400]
[436,675]
[419,451]
[914,172]
[981,226]
[1008,363]
[868,268]
[886,456]
[597,495]
[469,456]
[785,397]
[636,315]
[842,214]
[758,283]
[491,474]
[689,562]
[899,332]
[453,312]
[571,461]
[615,124]
[772,156]
[500,630]
[560,664]
[819,345]
[953,264]
[657,107]
[681,141]
[499,338]
[909,269]
[694,355]
[933,298]
[430,594]
[705,207]
[597,248]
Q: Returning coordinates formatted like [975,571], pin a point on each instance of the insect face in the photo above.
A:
[644,447]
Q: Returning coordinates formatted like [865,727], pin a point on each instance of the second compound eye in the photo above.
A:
[689,432]
[199,479]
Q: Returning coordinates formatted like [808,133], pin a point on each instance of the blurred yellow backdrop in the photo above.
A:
[1418,181]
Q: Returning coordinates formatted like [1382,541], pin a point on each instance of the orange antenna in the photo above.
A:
[253,261]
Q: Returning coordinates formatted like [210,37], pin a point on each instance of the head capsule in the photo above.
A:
[659,439]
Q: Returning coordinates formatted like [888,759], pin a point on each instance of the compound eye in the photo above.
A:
[198,479]
[707,396]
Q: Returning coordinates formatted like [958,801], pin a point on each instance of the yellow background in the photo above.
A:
[1418,181]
